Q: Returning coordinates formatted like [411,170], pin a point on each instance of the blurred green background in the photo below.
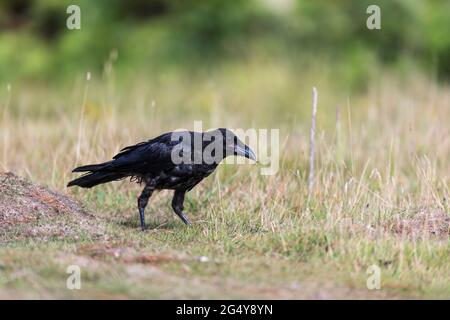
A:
[148,37]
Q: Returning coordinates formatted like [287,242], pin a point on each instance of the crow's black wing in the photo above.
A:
[145,157]
[129,149]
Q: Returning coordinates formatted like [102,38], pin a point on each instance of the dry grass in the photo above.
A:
[380,196]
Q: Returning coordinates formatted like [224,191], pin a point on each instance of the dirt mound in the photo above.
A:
[31,211]
[424,224]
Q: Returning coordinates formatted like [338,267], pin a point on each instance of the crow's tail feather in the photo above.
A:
[92,179]
[92,167]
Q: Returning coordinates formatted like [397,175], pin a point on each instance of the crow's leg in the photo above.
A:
[177,205]
[143,201]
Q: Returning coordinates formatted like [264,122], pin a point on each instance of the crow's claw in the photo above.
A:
[185,220]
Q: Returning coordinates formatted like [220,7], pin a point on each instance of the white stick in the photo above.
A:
[312,146]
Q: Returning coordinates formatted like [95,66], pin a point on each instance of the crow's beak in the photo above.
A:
[245,151]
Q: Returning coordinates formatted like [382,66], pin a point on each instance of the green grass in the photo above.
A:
[380,197]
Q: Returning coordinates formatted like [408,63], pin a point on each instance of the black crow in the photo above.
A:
[175,160]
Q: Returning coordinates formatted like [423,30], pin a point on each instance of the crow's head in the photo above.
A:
[233,146]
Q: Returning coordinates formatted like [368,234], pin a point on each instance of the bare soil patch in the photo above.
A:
[424,224]
[31,211]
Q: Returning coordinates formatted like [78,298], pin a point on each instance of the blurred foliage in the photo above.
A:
[145,35]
